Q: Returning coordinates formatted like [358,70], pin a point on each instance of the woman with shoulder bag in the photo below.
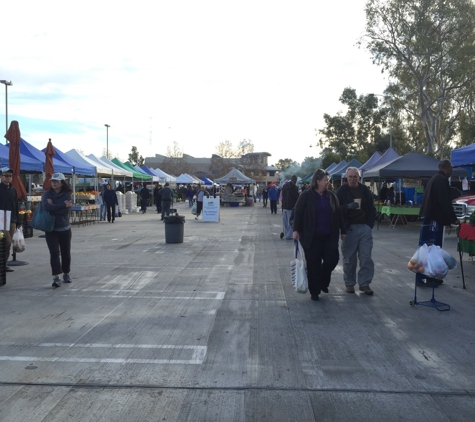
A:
[318,223]
[57,200]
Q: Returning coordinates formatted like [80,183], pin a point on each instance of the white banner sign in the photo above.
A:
[2,219]
[210,209]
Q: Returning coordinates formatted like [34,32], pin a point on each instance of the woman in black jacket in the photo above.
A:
[317,224]
[57,201]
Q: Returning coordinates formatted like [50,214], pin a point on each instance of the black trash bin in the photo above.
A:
[174,228]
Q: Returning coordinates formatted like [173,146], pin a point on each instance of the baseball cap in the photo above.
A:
[5,170]
[167,184]
[58,177]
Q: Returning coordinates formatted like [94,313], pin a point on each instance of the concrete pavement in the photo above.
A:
[211,330]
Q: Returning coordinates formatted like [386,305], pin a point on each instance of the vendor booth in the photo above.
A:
[234,177]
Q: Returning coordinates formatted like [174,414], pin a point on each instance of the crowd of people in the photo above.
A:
[317,216]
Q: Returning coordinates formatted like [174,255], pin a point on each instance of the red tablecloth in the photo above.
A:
[467,232]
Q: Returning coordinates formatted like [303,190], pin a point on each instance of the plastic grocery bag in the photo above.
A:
[18,241]
[436,266]
[432,261]
[419,259]
[193,208]
[298,270]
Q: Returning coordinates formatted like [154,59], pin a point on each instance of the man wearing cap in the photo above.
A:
[167,199]
[8,202]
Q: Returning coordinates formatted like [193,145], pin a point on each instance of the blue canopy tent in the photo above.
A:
[27,164]
[30,151]
[207,181]
[78,167]
[464,156]
[337,168]
[370,162]
[330,167]
[389,156]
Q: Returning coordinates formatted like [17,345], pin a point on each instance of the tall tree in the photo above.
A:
[356,133]
[285,163]
[135,158]
[329,158]
[309,165]
[428,46]
[175,163]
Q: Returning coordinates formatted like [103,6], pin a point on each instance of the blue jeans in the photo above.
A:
[288,230]
[103,212]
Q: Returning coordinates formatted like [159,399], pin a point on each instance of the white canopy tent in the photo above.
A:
[234,176]
[163,175]
[188,180]
[101,170]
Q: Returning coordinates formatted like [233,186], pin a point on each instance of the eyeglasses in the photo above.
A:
[8,175]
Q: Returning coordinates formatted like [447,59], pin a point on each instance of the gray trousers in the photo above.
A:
[358,246]
[288,230]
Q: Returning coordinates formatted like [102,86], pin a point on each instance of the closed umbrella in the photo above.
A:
[49,169]
[13,136]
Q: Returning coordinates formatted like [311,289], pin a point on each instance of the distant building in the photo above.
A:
[254,165]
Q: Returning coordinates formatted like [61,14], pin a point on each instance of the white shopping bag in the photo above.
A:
[298,270]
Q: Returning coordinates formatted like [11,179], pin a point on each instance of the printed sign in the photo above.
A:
[210,209]
[5,219]
[232,180]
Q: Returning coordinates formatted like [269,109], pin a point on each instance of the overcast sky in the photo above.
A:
[194,72]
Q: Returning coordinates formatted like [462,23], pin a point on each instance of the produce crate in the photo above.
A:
[3,262]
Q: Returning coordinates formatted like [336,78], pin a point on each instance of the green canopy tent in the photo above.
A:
[136,174]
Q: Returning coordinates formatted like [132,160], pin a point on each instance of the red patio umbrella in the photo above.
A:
[13,135]
[49,169]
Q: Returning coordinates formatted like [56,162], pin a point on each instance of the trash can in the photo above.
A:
[174,228]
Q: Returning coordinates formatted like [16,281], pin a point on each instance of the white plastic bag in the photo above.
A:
[419,259]
[432,261]
[298,270]
[436,266]
[194,209]
[18,240]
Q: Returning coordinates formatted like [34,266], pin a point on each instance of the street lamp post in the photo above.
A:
[7,84]
[107,137]
[391,120]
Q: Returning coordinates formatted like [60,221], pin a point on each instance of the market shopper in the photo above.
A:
[357,206]
[273,194]
[190,193]
[156,189]
[102,205]
[167,199]
[199,201]
[57,200]
[437,210]
[318,223]
[8,202]
[144,197]
[110,198]
[265,196]
[290,194]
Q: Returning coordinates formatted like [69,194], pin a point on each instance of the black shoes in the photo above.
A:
[314,297]
[325,289]
[8,270]
[56,282]
[66,278]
